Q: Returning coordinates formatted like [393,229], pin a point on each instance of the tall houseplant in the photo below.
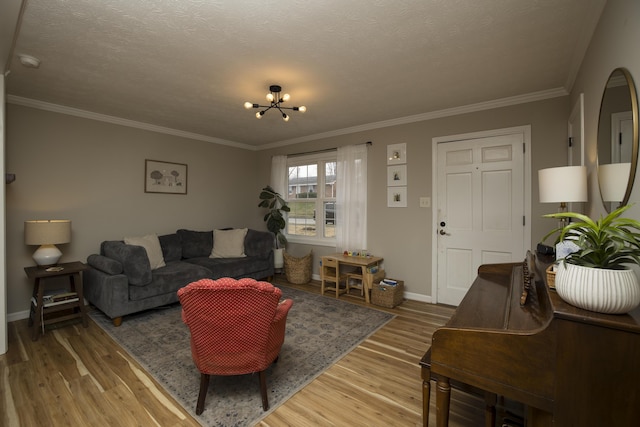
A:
[275,219]
[596,276]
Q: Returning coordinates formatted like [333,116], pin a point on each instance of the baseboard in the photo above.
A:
[12,317]
[407,295]
[418,297]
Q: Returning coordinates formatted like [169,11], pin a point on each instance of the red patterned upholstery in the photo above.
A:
[237,327]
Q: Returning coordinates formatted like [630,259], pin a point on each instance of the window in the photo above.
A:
[311,194]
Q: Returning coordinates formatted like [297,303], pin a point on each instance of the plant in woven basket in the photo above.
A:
[608,243]
[274,218]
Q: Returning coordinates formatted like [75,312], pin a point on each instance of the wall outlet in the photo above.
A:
[425,202]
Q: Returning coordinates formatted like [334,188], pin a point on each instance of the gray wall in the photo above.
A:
[403,235]
[614,44]
[92,173]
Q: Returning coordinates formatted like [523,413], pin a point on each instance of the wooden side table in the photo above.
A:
[40,276]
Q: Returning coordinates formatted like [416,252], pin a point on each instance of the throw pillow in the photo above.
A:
[151,244]
[196,244]
[228,243]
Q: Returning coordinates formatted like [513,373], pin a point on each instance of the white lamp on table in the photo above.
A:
[47,234]
[563,185]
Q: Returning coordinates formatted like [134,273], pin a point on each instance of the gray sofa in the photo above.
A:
[120,280]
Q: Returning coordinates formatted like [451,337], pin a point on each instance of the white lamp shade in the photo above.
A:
[563,184]
[47,232]
[613,179]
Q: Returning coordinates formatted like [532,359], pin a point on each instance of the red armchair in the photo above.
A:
[237,327]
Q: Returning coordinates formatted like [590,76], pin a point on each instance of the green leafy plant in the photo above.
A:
[275,219]
[609,243]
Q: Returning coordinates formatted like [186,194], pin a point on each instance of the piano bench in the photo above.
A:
[427,376]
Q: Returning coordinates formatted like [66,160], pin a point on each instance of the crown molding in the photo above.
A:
[28,102]
[481,106]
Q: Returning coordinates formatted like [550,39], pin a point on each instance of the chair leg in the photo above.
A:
[204,387]
[263,389]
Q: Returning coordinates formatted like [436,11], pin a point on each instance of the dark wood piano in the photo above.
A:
[570,367]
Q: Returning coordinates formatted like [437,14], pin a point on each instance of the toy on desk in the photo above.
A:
[361,253]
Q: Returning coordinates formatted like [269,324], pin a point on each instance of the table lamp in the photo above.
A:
[47,234]
[563,185]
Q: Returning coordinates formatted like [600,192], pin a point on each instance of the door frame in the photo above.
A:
[525,131]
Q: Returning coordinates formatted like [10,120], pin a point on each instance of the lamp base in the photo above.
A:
[47,255]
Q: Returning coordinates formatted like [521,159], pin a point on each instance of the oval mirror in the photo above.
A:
[617,139]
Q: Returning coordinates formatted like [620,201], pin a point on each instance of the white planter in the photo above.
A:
[278,259]
[597,289]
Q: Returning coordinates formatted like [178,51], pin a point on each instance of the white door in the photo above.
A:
[480,209]
[576,132]
[621,137]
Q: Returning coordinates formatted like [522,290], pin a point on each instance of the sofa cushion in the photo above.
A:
[169,279]
[171,247]
[151,245]
[134,260]
[196,243]
[228,243]
[232,267]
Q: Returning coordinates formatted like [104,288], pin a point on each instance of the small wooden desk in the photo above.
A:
[363,263]
[40,275]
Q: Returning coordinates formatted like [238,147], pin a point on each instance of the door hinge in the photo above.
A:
[524,147]
[620,138]
[570,141]
[524,220]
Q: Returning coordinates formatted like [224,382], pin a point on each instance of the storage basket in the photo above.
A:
[298,270]
[551,277]
[387,295]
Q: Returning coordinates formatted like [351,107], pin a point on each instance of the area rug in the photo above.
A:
[320,331]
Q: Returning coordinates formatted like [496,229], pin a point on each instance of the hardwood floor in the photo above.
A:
[76,376]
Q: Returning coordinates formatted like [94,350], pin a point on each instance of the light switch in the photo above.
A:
[425,202]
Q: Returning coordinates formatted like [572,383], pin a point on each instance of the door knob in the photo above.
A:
[444,233]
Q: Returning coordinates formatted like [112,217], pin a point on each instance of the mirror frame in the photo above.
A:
[634,152]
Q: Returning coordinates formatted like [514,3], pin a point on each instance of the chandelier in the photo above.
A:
[276,101]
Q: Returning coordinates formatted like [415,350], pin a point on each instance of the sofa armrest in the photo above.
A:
[259,243]
[108,292]
[105,264]
[134,259]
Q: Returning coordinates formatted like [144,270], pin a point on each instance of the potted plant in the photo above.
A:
[275,220]
[596,276]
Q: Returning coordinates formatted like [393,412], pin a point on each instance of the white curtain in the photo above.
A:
[279,174]
[351,198]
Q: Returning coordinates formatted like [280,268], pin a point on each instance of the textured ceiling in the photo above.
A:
[189,65]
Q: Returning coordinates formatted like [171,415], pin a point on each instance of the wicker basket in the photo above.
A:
[551,277]
[386,295]
[298,270]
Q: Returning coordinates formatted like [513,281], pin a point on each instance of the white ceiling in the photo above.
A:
[189,65]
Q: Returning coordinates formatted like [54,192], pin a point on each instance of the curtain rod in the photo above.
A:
[326,150]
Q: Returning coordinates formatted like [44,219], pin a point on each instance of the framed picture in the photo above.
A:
[397,197]
[396,175]
[396,154]
[165,177]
